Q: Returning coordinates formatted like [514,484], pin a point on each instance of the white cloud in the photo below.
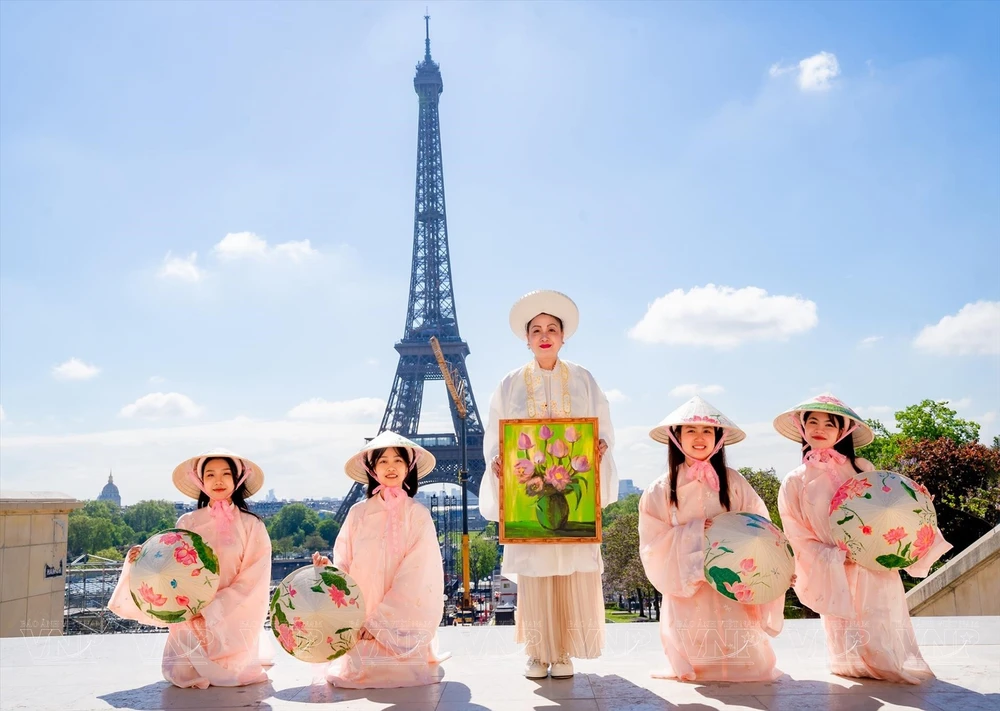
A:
[987,418]
[75,369]
[873,411]
[869,341]
[181,269]
[691,389]
[363,409]
[299,458]
[974,330]
[813,73]
[960,404]
[161,405]
[244,245]
[615,395]
[156,379]
[723,317]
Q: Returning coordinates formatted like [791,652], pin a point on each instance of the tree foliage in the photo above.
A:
[483,556]
[765,482]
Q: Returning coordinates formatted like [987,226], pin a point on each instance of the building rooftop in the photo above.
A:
[90,672]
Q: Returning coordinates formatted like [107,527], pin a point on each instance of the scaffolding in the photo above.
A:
[90,581]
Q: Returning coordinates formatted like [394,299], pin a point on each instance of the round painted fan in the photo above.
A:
[747,558]
[317,612]
[883,520]
[175,575]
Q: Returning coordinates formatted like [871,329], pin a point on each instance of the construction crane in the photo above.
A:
[458,397]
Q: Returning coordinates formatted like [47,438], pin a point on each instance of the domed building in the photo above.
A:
[110,492]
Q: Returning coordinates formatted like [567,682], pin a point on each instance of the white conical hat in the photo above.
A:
[787,423]
[357,470]
[884,520]
[747,558]
[697,411]
[554,303]
[188,473]
[317,613]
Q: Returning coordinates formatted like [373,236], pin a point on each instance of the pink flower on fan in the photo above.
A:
[558,477]
[885,488]
[538,457]
[925,539]
[544,432]
[867,530]
[571,434]
[747,565]
[535,486]
[196,572]
[842,546]
[850,489]
[299,624]
[524,441]
[337,595]
[286,638]
[558,449]
[830,400]
[742,591]
[329,640]
[292,592]
[169,539]
[923,490]
[182,600]
[524,470]
[580,464]
[185,554]
[894,535]
[151,596]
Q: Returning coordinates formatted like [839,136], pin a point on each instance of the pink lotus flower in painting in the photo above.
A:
[544,432]
[286,638]
[571,434]
[558,449]
[742,591]
[337,595]
[524,442]
[151,596]
[580,464]
[558,477]
[168,539]
[524,470]
[894,535]
[182,600]
[747,565]
[925,539]
[538,457]
[830,400]
[535,486]
[185,554]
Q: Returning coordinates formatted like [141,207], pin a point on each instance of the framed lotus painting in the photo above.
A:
[550,484]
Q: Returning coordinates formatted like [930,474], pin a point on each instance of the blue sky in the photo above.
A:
[206,219]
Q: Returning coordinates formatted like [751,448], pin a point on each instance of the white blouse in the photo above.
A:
[568,390]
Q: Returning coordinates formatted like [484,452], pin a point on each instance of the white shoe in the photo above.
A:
[536,669]
[562,668]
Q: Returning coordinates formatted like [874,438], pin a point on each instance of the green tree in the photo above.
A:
[623,571]
[110,554]
[314,542]
[630,504]
[885,450]
[295,520]
[483,555]
[932,420]
[765,482]
[149,517]
[88,534]
[328,529]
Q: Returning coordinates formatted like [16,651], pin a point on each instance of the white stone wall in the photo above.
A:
[33,527]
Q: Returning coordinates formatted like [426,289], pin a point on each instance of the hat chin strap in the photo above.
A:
[718,445]
[799,421]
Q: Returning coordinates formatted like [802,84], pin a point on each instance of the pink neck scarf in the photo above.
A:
[702,469]
[826,458]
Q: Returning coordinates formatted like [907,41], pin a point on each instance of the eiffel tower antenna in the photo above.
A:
[431,312]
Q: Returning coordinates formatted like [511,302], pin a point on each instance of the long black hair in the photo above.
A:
[409,483]
[676,457]
[239,493]
[844,446]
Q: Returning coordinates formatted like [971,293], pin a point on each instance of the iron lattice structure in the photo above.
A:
[431,309]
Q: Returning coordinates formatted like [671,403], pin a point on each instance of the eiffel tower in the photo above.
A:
[431,310]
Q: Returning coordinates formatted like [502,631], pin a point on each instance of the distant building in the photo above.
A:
[627,488]
[270,498]
[110,492]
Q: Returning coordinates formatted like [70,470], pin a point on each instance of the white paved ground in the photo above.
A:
[123,672]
